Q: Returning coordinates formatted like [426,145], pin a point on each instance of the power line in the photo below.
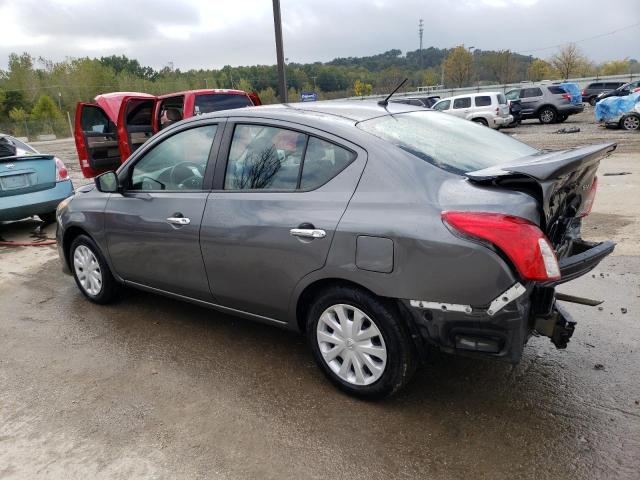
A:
[583,40]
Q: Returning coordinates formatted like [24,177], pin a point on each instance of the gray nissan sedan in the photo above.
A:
[378,231]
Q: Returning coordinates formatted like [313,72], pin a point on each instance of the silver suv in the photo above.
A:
[547,103]
[488,108]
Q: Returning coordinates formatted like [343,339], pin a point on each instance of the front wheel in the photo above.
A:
[547,115]
[91,272]
[360,343]
[481,121]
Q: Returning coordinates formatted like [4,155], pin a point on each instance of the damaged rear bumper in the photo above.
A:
[502,328]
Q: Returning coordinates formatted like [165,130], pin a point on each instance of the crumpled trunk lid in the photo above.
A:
[558,180]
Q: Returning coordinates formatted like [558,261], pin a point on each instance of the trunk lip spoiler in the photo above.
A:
[546,165]
[26,157]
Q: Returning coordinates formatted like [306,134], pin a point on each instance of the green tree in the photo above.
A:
[244,85]
[268,96]
[458,67]
[18,114]
[502,66]
[45,109]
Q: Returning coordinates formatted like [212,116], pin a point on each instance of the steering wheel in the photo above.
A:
[183,176]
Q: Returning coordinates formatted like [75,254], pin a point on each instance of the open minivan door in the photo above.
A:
[135,122]
[98,141]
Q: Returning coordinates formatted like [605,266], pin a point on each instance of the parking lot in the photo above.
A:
[155,388]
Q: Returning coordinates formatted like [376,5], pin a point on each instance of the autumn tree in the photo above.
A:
[615,67]
[568,61]
[458,67]
[362,89]
[539,70]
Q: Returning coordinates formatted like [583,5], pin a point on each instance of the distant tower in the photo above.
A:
[420,32]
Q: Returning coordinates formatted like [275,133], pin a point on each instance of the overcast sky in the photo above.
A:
[214,33]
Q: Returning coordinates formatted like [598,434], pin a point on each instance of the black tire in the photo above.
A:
[401,355]
[547,115]
[630,122]
[48,218]
[562,118]
[593,101]
[481,121]
[110,287]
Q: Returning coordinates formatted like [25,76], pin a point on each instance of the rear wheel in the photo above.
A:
[91,272]
[547,115]
[360,343]
[481,121]
[630,122]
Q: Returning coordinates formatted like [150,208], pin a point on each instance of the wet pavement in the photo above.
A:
[156,388]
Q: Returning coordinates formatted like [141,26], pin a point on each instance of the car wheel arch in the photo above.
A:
[69,235]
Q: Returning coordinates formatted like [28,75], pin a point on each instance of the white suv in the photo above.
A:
[487,108]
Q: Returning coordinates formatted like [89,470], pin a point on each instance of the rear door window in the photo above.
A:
[530,92]
[464,102]
[213,102]
[323,161]
[611,86]
[483,101]
[94,120]
[595,86]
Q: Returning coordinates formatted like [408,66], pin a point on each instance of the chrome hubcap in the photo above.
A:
[351,344]
[547,116]
[631,123]
[87,270]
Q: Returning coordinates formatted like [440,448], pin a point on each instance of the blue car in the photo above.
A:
[30,183]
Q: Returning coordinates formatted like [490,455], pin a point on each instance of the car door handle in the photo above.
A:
[308,232]
[178,220]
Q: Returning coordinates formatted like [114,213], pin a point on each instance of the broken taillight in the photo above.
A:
[589,198]
[61,171]
[520,240]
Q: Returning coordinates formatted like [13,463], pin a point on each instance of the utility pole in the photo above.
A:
[282,75]
[420,32]
[314,82]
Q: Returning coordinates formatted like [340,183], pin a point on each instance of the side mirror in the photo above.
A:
[107,182]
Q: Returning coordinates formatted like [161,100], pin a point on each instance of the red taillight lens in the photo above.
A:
[61,171]
[566,96]
[520,240]
[584,93]
[589,198]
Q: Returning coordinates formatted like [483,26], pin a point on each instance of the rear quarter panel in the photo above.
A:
[401,197]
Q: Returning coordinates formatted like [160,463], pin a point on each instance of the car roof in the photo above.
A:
[110,102]
[471,95]
[349,111]
[210,91]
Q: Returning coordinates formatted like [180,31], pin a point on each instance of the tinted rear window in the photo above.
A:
[502,100]
[483,101]
[220,101]
[446,141]
[462,102]
[557,90]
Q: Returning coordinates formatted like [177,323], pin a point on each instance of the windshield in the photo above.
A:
[446,141]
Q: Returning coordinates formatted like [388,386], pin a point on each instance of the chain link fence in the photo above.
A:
[35,130]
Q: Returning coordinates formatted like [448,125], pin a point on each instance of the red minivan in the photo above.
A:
[111,128]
